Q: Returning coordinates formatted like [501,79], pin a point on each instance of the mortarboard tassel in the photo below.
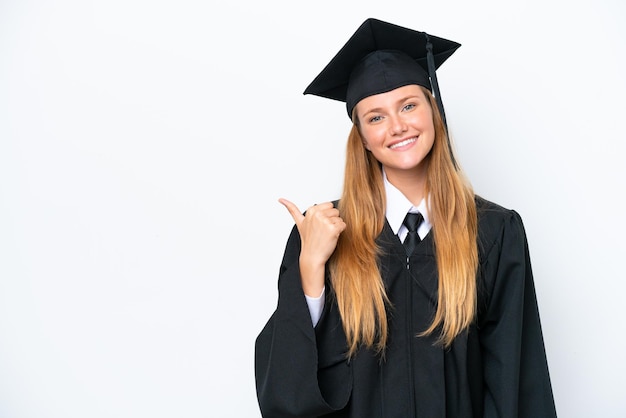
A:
[433,80]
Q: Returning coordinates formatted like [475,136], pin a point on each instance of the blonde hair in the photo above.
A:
[356,279]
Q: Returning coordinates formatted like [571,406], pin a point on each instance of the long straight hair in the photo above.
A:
[355,277]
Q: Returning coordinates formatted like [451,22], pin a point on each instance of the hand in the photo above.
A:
[319,231]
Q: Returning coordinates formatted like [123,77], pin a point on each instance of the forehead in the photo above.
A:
[390,97]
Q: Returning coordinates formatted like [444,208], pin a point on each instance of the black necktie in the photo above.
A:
[412,221]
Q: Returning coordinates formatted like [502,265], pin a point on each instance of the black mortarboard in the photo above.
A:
[380,57]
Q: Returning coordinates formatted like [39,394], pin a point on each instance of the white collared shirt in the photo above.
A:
[397,208]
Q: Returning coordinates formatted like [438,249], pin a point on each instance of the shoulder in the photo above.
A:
[488,207]
[495,224]
[492,215]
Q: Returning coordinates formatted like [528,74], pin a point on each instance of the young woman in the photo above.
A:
[382,317]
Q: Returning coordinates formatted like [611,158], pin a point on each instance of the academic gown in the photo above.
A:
[495,368]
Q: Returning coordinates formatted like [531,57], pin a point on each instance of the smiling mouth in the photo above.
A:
[403,143]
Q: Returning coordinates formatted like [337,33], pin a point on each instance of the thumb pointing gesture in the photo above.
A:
[319,232]
[319,229]
[297,216]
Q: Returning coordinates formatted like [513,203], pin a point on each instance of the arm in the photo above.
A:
[517,382]
[316,305]
[301,371]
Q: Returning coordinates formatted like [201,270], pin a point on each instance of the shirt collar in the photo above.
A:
[398,206]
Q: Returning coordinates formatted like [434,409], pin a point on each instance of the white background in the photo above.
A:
[144,145]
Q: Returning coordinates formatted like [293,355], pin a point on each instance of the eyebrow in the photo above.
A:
[378,109]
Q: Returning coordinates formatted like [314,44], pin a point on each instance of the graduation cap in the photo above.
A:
[380,57]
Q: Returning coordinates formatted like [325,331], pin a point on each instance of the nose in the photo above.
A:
[397,125]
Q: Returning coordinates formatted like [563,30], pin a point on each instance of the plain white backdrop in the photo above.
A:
[144,145]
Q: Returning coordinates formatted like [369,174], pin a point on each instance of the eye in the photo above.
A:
[375,119]
[408,107]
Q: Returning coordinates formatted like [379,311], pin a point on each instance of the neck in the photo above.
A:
[411,183]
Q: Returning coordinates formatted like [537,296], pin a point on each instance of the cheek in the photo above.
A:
[372,137]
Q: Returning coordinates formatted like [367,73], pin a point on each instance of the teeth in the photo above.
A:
[403,143]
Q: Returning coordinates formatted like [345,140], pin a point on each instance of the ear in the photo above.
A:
[367,147]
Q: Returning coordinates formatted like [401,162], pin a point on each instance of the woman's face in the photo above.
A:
[397,127]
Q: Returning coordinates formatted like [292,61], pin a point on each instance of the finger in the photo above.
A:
[322,209]
[293,210]
[330,211]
